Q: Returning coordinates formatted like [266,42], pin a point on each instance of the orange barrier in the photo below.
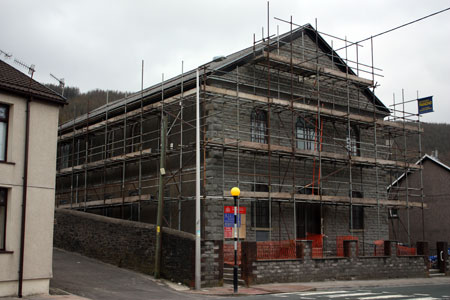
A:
[276,250]
[340,244]
[228,254]
[403,250]
[378,248]
[317,244]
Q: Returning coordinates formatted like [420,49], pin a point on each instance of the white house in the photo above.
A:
[28,136]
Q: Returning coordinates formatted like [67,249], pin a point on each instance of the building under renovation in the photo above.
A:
[296,126]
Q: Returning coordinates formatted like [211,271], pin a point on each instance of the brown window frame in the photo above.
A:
[5,205]
[258,126]
[6,121]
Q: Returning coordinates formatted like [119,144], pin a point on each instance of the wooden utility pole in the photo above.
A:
[162,172]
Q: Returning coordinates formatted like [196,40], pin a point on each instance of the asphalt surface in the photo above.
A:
[92,279]
[421,292]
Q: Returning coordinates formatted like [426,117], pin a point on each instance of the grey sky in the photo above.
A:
[100,44]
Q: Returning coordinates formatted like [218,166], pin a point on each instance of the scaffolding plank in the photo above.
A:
[313,109]
[128,115]
[313,153]
[312,67]
[102,162]
[327,199]
[112,201]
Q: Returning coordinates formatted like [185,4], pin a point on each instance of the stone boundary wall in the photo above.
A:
[350,267]
[131,245]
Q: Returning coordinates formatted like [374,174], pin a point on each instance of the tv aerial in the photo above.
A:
[61,83]
[30,68]
[6,54]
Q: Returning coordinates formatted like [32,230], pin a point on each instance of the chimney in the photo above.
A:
[435,154]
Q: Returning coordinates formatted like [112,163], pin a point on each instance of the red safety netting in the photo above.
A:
[228,253]
[378,248]
[317,244]
[403,250]
[340,243]
[276,250]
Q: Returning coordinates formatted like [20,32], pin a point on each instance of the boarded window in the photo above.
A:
[357,217]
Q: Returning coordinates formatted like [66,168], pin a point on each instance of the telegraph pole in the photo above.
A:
[162,172]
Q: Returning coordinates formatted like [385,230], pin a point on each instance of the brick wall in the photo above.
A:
[131,245]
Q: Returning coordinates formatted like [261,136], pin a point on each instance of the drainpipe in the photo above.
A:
[24,196]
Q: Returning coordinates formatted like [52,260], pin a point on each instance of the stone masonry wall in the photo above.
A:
[131,245]
[347,268]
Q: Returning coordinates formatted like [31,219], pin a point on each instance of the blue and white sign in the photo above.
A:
[425,105]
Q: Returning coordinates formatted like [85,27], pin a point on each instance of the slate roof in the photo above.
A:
[426,156]
[228,63]
[14,81]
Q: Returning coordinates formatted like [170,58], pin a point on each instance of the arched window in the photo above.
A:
[305,133]
[353,141]
[258,126]
[135,136]
[110,144]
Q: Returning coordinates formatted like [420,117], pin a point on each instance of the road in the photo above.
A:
[92,279]
[423,292]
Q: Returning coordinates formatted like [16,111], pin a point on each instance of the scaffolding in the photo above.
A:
[288,120]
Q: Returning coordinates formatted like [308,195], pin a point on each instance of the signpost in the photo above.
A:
[235,192]
[228,222]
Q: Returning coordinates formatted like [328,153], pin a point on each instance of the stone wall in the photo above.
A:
[351,267]
[131,245]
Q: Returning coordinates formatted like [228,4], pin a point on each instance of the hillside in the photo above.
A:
[81,103]
[436,136]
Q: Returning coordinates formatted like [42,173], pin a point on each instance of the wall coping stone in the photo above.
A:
[127,223]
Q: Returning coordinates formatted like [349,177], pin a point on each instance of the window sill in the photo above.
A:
[357,230]
[261,228]
[6,252]
[7,163]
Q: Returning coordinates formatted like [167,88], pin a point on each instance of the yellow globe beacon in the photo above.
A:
[235,192]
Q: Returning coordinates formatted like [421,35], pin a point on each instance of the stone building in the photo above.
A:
[28,140]
[297,127]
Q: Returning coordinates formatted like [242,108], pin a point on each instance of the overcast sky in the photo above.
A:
[100,44]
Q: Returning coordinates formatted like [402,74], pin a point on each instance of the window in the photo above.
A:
[64,156]
[135,137]
[258,128]
[353,141]
[110,144]
[309,219]
[4,114]
[3,194]
[357,217]
[393,213]
[305,134]
[260,214]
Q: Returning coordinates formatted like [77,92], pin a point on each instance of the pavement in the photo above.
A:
[80,278]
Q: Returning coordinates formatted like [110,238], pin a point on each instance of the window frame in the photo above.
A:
[258,126]
[5,205]
[6,121]
[357,210]
[260,214]
[354,141]
[308,139]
